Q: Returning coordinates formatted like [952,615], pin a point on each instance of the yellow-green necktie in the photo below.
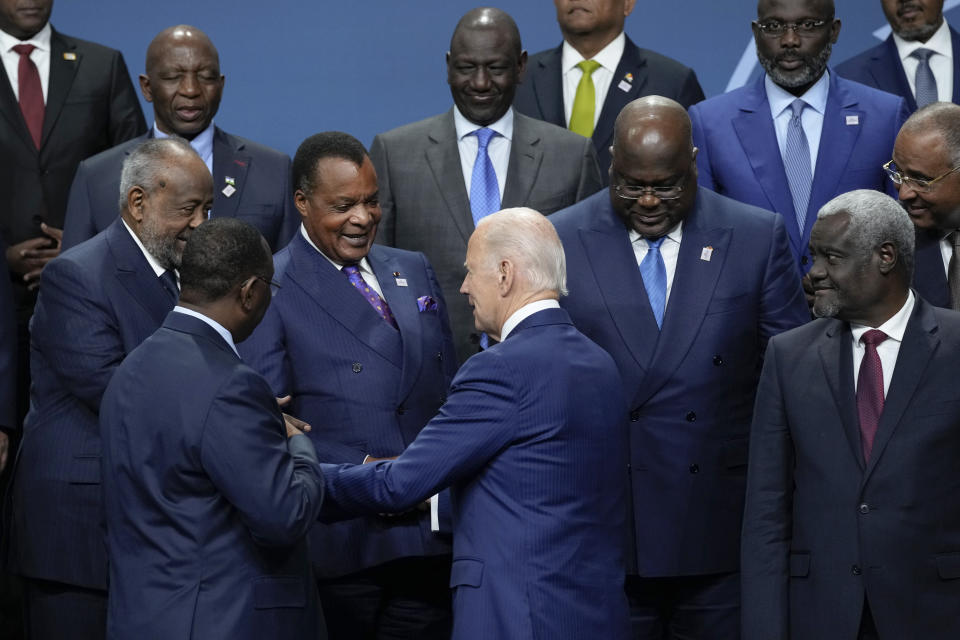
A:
[584,103]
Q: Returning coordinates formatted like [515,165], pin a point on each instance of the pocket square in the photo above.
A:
[426,303]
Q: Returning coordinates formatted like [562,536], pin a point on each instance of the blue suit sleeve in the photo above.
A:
[449,351]
[8,354]
[783,305]
[78,221]
[126,116]
[704,171]
[291,216]
[265,351]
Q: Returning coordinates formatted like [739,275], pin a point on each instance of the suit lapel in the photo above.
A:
[10,109]
[836,356]
[403,304]
[631,62]
[62,73]
[888,74]
[443,158]
[135,274]
[955,42]
[524,164]
[330,290]
[918,346]
[547,80]
[229,161]
[929,277]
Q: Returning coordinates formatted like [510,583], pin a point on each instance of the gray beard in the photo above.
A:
[920,34]
[163,249]
[812,69]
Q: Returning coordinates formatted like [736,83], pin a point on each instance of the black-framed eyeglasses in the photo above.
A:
[274,286]
[636,191]
[919,185]
[804,28]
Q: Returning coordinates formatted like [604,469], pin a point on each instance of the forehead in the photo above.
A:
[180,53]
[794,9]
[651,145]
[186,174]
[492,41]
[832,231]
[339,177]
[920,149]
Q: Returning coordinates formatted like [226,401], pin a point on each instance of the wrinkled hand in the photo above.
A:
[4,449]
[28,258]
[295,426]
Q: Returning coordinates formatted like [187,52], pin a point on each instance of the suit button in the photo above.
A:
[357,367]
[635,415]
[440,356]
[694,468]
[717,361]
[629,467]
[864,508]
[401,411]
[691,417]
[855,570]
[804,260]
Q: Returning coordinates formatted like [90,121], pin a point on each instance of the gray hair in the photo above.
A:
[143,166]
[942,118]
[875,218]
[527,239]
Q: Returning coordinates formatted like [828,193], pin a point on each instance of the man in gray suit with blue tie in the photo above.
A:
[440,176]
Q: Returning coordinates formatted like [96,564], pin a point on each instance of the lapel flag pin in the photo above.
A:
[231,187]
[853,121]
[706,253]
[69,56]
[231,181]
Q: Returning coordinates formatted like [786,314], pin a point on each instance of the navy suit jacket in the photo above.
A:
[97,302]
[261,177]
[364,387]
[691,385]
[929,276]
[823,528]
[207,501]
[647,73]
[880,67]
[8,356]
[532,442]
[739,156]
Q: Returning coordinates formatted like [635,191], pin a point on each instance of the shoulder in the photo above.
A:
[379,252]
[720,209]
[417,129]
[807,337]
[566,221]
[110,161]
[722,105]
[85,47]
[545,57]
[855,64]
[550,133]
[870,97]
[262,151]
[660,64]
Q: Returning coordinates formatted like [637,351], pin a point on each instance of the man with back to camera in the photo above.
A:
[916,61]
[207,513]
[531,442]
[683,288]
[97,302]
[852,525]
[358,336]
[800,134]
[440,176]
[183,82]
[585,82]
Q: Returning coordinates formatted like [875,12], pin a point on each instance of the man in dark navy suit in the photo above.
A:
[97,302]
[184,84]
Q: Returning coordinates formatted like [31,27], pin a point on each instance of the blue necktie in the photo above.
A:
[796,161]
[484,190]
[654,275]
[926,84]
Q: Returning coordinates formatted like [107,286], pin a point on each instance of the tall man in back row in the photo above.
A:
[440,176]
[687,329]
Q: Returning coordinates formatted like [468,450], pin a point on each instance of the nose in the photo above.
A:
[463,285]
[480,80]
[648,200]
[360,215]
[906,192]
[199,217]
[189,84]
[790,39]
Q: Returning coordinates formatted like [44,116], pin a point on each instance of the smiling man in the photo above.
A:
[358,335]
[799,135]
[683,288]
[852,522]
[184,83]
[917,61]
[440,176]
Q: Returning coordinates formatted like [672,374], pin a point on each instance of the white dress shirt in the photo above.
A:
[525,312]
[40,57]
[219,328]
[202,143]
[669,251]
[811,120]
[608,57]
[498,149]
[889,349]
[941,62]
[156,266]
[366,271]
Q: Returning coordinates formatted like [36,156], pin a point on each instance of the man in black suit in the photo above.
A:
[852,524]
[61,100]
[183,81]
[585,82]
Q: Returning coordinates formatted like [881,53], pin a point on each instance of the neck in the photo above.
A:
[590,44]
[888,308]
[215,310]
[520,302]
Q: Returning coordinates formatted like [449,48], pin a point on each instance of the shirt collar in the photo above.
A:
[895,327]
[525,312]
[219,328]
[608,57]
[939,43]
[202,143]
[156,266]
[815,97]
[675,234]
[41,39]
[364,264]
[503,126]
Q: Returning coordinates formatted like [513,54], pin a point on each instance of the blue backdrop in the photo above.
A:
[295,67]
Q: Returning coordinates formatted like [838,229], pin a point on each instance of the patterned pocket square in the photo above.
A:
[426,303]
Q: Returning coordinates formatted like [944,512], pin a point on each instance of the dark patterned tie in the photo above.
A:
[924,80]
[379,304]
[953,270]
[31,92]
[169,281]
[870,390]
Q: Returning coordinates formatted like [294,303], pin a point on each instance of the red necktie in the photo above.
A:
[31,93]
[870,390]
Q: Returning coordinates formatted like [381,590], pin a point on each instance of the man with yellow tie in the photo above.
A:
[585,82]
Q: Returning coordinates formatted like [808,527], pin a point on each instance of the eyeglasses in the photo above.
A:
[635,191]
[917,184]
[804,28]
[274,286]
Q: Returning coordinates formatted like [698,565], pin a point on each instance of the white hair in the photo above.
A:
[143,166]
[528,240]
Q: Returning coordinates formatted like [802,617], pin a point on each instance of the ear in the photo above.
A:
[300,202]
[135,200]
[888,257]
[522,66]
[834,31]
[506,273]
[145,87]
[246,294]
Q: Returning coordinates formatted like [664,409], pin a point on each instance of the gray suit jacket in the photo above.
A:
[425,203]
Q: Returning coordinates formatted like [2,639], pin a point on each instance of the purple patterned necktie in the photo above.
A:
[379,304]
[870,390]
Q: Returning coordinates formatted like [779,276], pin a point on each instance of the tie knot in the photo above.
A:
[654,243]
[24,49]
[351,270]
[483,136]
[873,337]
[798,106]
[922,54]
[588,66]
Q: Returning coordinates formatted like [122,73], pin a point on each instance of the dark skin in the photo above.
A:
[913,19]
[590,25]
[24,19]
[921,152]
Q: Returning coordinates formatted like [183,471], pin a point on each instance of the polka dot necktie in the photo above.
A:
[379,304]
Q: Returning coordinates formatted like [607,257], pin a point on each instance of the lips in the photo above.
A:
[189,114]
[355,239]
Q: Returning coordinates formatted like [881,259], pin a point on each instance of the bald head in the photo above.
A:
[939,119]
[529,240]
[182,35]
[489,18]
[652,121]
